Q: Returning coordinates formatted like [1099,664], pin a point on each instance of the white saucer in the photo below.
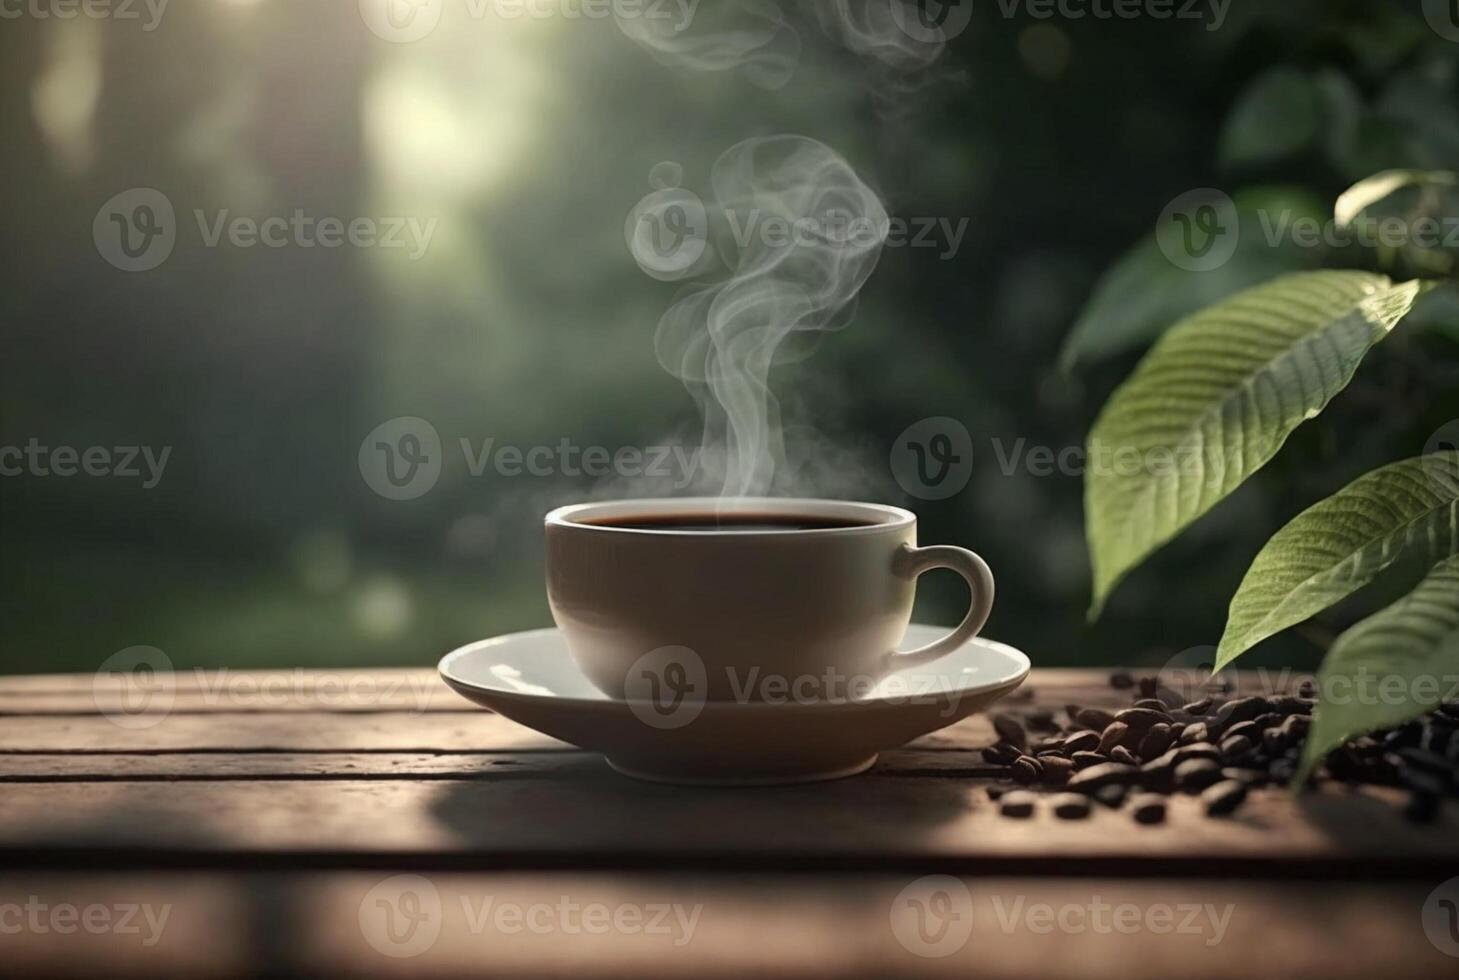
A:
[532,679]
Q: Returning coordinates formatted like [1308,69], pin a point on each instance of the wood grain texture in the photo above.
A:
[568,808]
[267,825]
[731,926]
[341,788]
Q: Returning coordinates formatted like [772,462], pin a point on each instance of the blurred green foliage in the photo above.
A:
[528,322]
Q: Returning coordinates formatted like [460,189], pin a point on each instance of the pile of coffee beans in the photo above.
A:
[1218,746]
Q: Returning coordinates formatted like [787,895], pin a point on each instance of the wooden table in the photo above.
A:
[375,823]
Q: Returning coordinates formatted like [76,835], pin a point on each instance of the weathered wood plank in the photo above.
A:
[203,679]
[93,767]
[350,690]
[222,766]
[473,730]
[239,691]
[720,926]
[570,809]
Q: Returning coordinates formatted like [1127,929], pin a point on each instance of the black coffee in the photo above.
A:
[745,522]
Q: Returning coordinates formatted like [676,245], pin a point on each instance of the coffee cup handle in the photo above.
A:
[913,562]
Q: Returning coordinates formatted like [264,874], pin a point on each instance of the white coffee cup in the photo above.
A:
[744,592]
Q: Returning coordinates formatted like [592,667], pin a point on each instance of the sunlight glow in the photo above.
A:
[65,94]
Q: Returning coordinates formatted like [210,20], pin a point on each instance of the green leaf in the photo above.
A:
[1216,398]
[1390,668]
[1365,193]
[1278,115]
[1336,547]
[1145,292]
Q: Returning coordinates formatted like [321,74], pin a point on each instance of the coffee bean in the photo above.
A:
[1194,775]
[1094,719]
[1000,753]
[1251,777]
[1071,806]
[1017,803]
[1114,734]
[1194,733]
[1072,710]
[1248,728]
[1083,760]
[1081,742]
[1140,719]
[1167,697]
[1241,709]
[1042,719]
[1010,731]
[1112,795]
[1201,707]
[1263,721]
[1176,731]
[1056,770]
[1307,689]
[1422,782]
[1121,754]
[1048,745]
[1152,704]
[1282,771]
[1197,750]
[1428,762]
[1121,680]
[1026,770]
[1147,687]
[1223,797]
[1159,773]
[994,792]
[1155,743]
[1148,808]
[1235,747]
[1273,741]
[1105,774]
[1295,725]
[1435,739]
[1287,705]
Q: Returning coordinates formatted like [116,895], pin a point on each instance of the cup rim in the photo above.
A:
[575,516]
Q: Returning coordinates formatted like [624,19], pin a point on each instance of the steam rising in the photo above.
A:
[868,28]
[800,233]
[755,37]
[749,35]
